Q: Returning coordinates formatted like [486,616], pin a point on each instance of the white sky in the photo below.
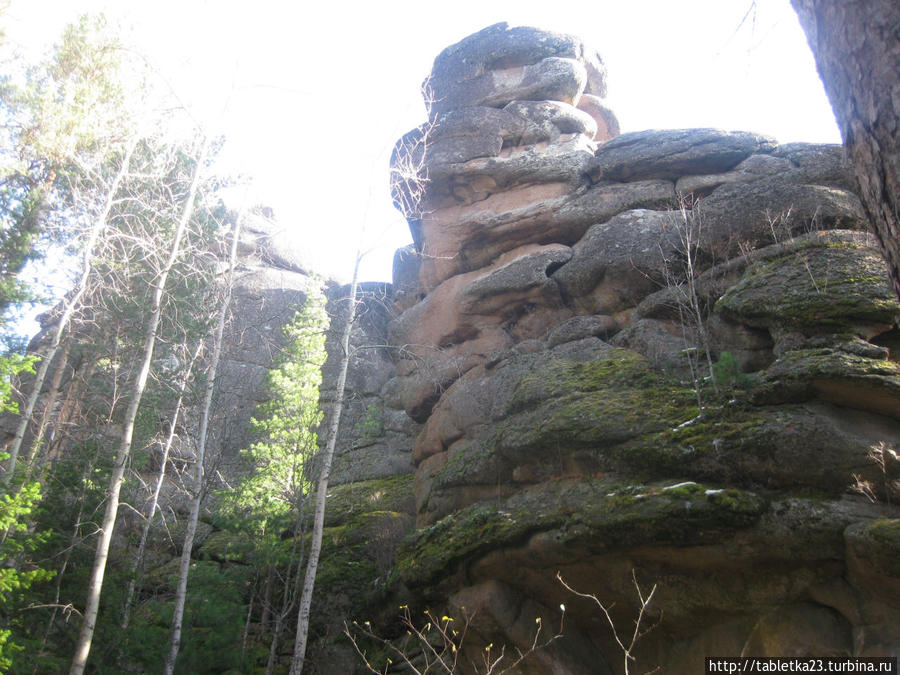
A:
[319,91]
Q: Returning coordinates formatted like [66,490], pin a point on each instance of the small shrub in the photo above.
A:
[727,373]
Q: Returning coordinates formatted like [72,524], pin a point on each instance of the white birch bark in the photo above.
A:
[95,585]
[72,304]
[185,565]
[322,484]
[138,563]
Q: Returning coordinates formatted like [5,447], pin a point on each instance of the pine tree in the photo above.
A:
[272,499]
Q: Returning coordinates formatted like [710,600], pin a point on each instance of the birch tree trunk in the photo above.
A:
[95,585]
[322,484]
[138,563]
[185,566]
[49,405]
[291,587]
[71,305]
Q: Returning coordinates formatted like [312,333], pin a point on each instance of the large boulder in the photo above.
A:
[470,316]
[619,262]
[501,64]
[458,239]
[672,153]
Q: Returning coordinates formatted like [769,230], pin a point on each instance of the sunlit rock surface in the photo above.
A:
[673,352]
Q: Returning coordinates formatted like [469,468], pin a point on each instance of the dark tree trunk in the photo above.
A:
[856,44]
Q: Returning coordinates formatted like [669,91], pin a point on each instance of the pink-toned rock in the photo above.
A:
[498,219]
[605,119]
[458,239]
[472,315]
[522,165]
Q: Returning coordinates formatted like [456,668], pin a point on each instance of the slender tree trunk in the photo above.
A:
[856,45]
[322,484]
[184,569]
[71,305]
[73,542]
[138,563]
[245,636]
[95,585]
[273,645]
[52,395]
[291,588]
[266,614]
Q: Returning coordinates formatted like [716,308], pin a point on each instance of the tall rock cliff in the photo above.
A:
[671,353]
[668,358]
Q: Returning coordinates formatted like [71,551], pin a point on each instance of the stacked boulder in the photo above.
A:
[672,351]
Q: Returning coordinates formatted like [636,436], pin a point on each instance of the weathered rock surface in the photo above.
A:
[470,316]
[607,123]
[674,153]
[501,64]
[670,352]
[667,358]
[374,438]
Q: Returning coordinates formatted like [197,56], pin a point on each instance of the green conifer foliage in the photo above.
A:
[17,541]
[267,507]
[287,424]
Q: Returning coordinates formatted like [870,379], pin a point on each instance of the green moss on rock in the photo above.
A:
[879,542]
[392,493]
[365,522]
[565,406]
[835,284]
[589,404]
[690,449]
[834,375]
[225,546]
[597,513]
[802,446]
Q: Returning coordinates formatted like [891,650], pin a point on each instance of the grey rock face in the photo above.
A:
[620,261]
[265,299]
[772,210]
[580,327]
[371,443]
[501,64]
[407,290]
[673,153]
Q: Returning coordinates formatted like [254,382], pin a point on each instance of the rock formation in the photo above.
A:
[566,295]
[669,357]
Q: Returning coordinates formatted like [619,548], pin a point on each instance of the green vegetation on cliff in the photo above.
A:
[588,513]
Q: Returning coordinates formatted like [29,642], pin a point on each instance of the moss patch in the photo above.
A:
[566,407]
[365,522]
[879,542]
[695,449]
[816,284]
[612,370]
[834,375]
[594,403]
[597,513]
[393,493]
[225,546]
